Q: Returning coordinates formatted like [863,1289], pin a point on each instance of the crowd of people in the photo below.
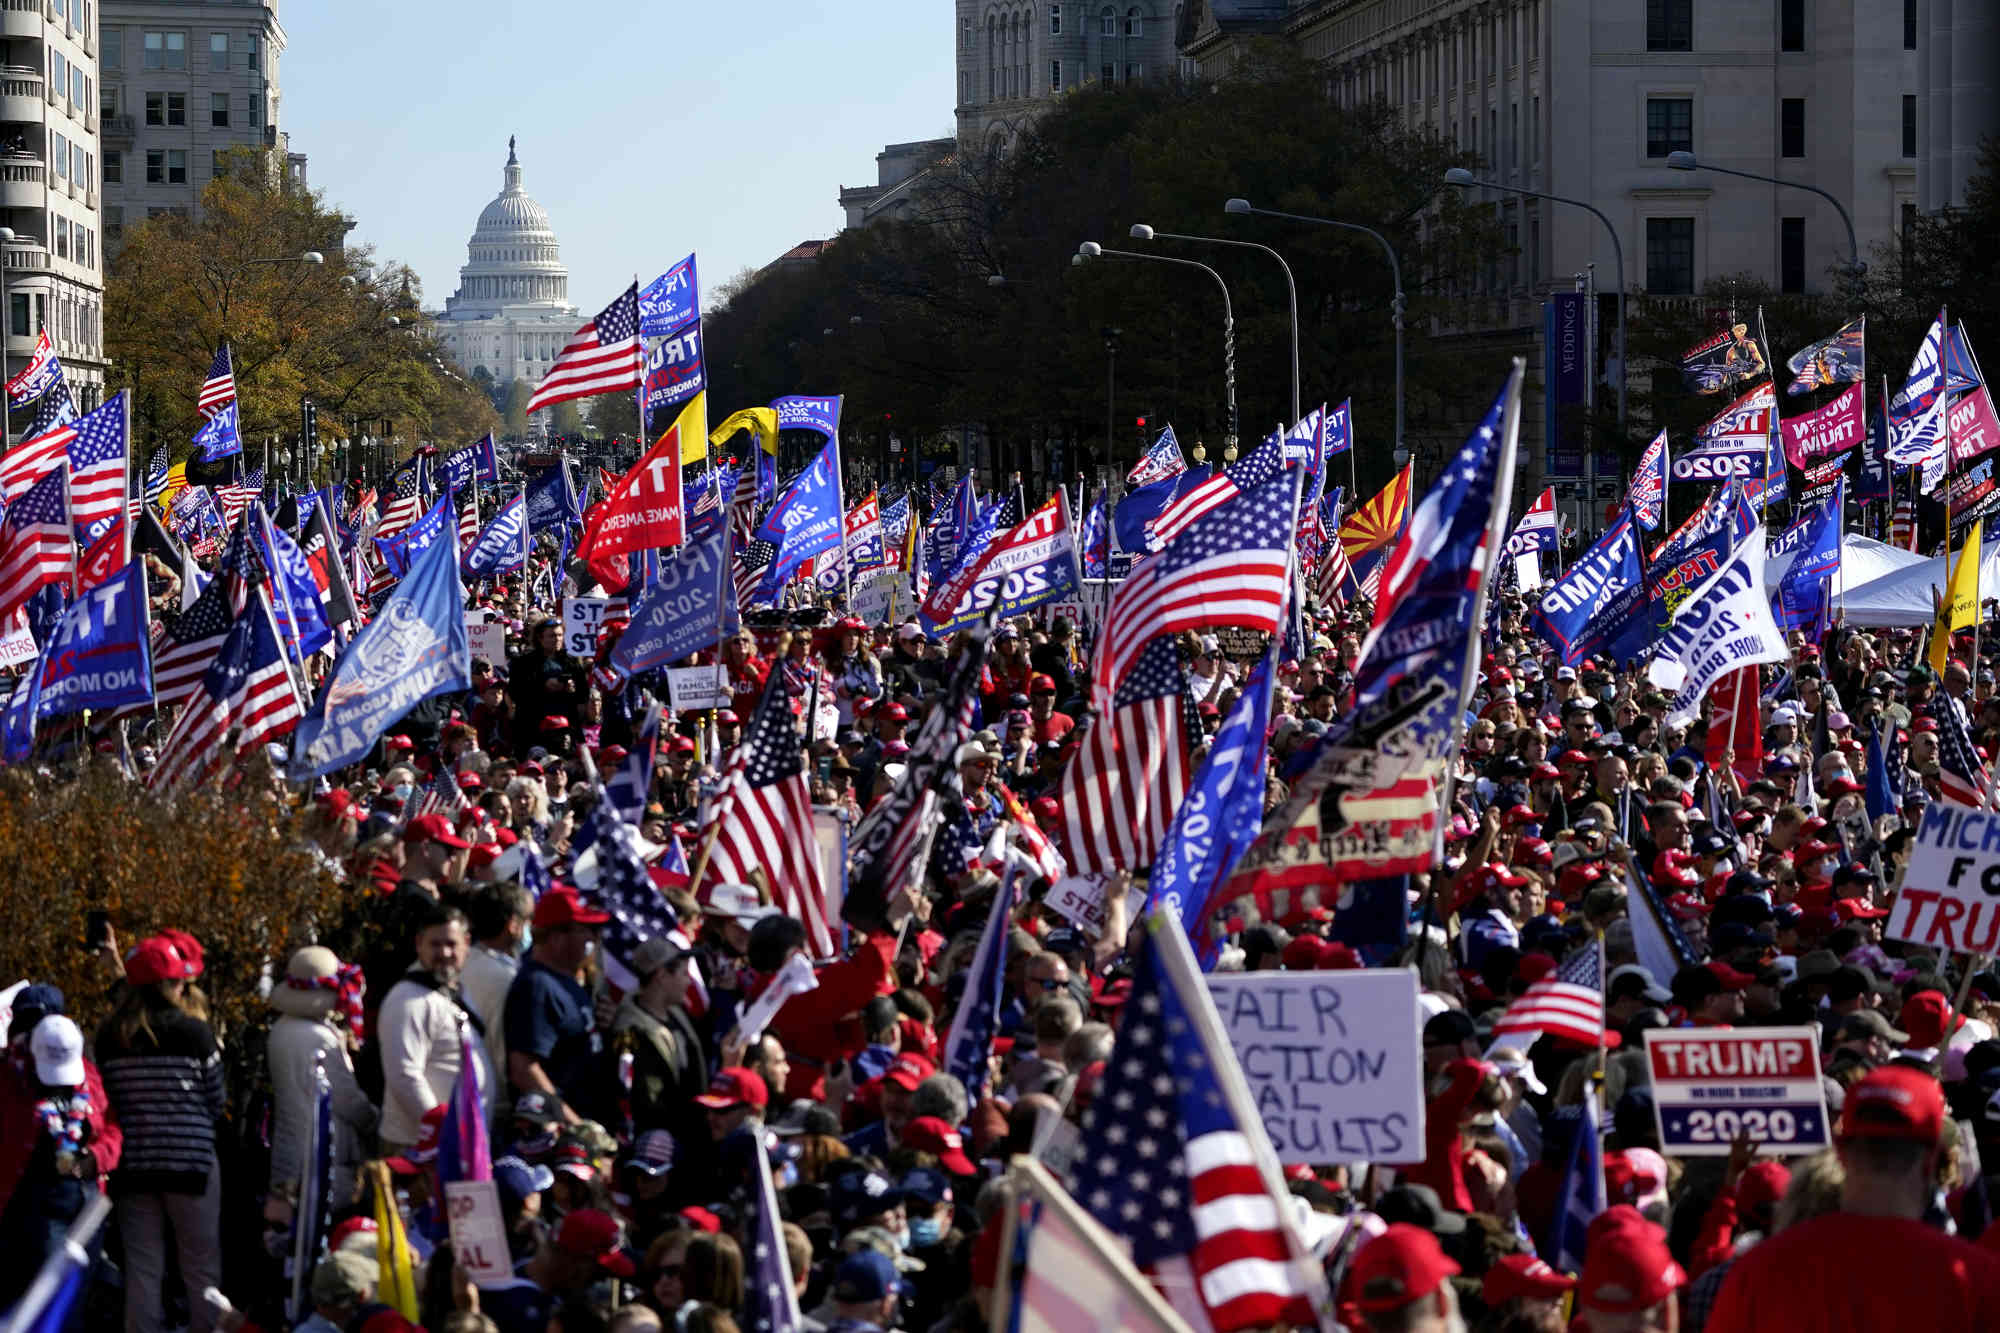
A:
[624,1120]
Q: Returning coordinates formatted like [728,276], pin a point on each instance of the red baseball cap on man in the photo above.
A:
[1627,1267]
[434,828]
[590,1234]
[929,1133]
[909,1070]
[734,1086]
[1397,1268]
[564,906]
[1522,1277]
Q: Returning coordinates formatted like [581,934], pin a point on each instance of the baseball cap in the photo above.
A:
[1449,1028]
[1926,1016]
[1894,1102]
[1403,1264]
[736,901]
[653,1152]
[909,1070]
[1519,1276]
[57,1047]
[859,1194]
[564,906]
[1626,1267]
[590,1234]
[433,828]
[1419,1206]
[1864,1023]
[866,1275]
[1041,685]
[926,1186]
[654,954]
[344,1278]
[517,1180]
[735,1086]
[537,1108]
[1645,986]
[929,1133]
[153,960]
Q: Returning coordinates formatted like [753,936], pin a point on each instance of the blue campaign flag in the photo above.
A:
[1030,565]
[401,551]
[1582,1197]
[970,1041]
[802,412]
[218,437]
[45,609]
[552,501]
[502,545]
[1802,597]
[1598,598]
[669,301]
[806,520]
[17,724]
[689,606]
[474,463]
[415,648]
[100,655]
[1340,429]
[1873,484]
[1136,511]
[1096,539]
[954,524]
[674,368]
[294,591]
[1884,794]
[627,787]
[1961,368]
[1219,817]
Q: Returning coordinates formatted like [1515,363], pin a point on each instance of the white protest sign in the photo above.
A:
[581,617]
[697,687]
[17,646]
[1528,571]
[1081,899]
[1334,1060]
[487,637]
[877,598]
[1724,624]
[478,1231]
[1950,898]
[1711,1084]
[830,839]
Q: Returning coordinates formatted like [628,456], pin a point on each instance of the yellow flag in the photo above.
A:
[1960,606]
[397,1285]
[761,422]
[692,424]
[176,483]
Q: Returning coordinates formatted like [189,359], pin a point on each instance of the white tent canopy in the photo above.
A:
[1902,595]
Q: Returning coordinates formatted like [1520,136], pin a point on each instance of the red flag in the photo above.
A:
[105,557]
[1734,724]
[644,508]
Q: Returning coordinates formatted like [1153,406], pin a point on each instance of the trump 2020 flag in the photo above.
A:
[1340,429]
[1649,484]
[629,784]
[100,655]
[400,552]
[1158,463]
[806,520]
[415,648]
[218,437]
[978,1019]
[502,547]
[1537,529]
[1801,601]
[552,499]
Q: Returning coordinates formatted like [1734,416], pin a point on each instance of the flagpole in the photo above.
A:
[1494,544]
[840,503]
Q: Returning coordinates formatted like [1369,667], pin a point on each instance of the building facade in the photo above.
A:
[1016,56]
[49,191]
[184,83]
[900,172]
[1958,93]
[511,313]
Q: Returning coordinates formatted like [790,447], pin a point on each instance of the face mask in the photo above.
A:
[1607,692]
[902,1236]
[925,1231]
[401,791]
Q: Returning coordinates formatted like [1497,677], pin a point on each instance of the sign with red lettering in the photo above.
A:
[478,1231]
[1950,898]
[1712,1084]
[1972,425]
[1832,429]
[644,509]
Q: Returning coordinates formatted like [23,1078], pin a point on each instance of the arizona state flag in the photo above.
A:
[1376,523]
[644,508]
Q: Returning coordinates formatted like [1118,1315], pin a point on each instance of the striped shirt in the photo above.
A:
[167,1093]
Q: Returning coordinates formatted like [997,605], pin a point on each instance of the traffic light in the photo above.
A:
[308,422]
[1141,423]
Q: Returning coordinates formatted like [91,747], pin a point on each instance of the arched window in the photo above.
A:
[1107,21]
[1133,23]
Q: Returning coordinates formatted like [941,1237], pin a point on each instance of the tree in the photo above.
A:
[612,415]
[347,332]
[515,413]
[566,419]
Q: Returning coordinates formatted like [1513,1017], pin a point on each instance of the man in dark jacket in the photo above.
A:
[669,1065]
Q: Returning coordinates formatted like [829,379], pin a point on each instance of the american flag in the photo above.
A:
[770,1300]
[1121,787]
[36,544]
[884,845]
[219,389]
[95,446]
[245,699]
[1169,1162]
[1567,1003]
[42,373]
[1335,574]
[322,553]
[1266,461]
[1961,772]
[1230,567]
[55,409]
[603,356]
[468,519]
[190,643]
[969,1045]
[763,817]
[443,796]
[616,879]
[1158,463]
[1094,542]
[628,787]
[237,495]
[407,503]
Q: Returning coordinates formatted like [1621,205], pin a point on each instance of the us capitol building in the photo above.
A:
[511,313]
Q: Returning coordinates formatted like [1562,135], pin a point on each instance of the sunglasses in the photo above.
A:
[1048,983]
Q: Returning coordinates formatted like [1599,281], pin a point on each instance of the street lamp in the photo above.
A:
[1092,250]
[1459,176]
[1686,161]
[1243,208]
[6,332]
[1141,232]
[309,257]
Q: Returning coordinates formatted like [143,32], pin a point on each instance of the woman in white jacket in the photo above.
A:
[318,1028]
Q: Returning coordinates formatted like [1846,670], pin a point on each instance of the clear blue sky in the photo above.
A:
[647,130]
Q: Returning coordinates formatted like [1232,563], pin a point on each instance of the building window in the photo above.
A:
[218,52]
[1909,125]
[1107,22]
[1107,75]
[107,101]
[218,162]
[256,111]
[1055,76]
[1134,25]
[58,154]
[177,109]
[111,48]
[1135,74]
[166,50]
[1909,25]
[114,168]
[218,108]
[1791,254]
[1670,25]
[79,165]
[62,238]
[17,316]
[156,108]
[1055,20]
[1792,127]
[177,166]
[250,51]
[156,166]
[1669,126]
[1791,25]
[1670,256]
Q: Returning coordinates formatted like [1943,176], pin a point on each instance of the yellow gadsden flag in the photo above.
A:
[1960,606]
[761,422]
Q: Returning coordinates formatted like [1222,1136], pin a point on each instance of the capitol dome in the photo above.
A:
[513,258]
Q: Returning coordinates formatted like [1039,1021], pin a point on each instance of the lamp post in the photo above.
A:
[1397,304]
[1092,250]
[1141,232]
[7,314]
[1459,176]
[1686,161]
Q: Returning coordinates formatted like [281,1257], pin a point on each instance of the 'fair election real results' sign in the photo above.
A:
[1334,1060]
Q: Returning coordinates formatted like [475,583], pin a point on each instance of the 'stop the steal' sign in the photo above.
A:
[1334,1060]
[1950,897]
[1712,1084]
